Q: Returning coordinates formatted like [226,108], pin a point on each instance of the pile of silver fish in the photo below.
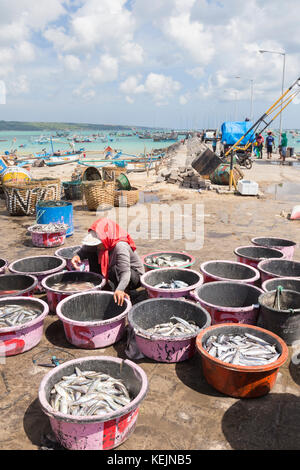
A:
[49,228]
[14,315]
[243,350]
[171,285]
[79,286]
[181,328]
[167,261]
[89,393]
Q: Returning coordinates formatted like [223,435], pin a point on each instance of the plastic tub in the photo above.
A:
[151,312]
[232,302]
[274,268]
[235,380]
[47,239]
[229,271]
[72,190]
[93,320]
[252,255]
[284,322]
[152,278]
[96,432]
[57,212]
[54,296]
[18,339]
[189,260]
[17,285]
[39,266]
[3,265]
[282,244]
[288,283]
[68,253]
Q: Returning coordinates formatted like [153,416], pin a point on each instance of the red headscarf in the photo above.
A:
[110,234]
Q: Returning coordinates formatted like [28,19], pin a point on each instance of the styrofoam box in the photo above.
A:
[248,188]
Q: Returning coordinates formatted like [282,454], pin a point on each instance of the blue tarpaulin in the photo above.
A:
[233,131]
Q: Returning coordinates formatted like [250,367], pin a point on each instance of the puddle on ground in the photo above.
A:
[145,197]
[285,191]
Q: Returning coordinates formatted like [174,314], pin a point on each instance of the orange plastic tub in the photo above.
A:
[235,380]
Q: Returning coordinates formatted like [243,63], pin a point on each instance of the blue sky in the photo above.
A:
[159,63]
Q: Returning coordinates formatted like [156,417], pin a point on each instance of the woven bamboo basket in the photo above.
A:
[112,171]
[22,198]
[126,198]
[91,173]
[99,195]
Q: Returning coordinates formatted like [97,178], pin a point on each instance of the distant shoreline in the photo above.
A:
[58,126]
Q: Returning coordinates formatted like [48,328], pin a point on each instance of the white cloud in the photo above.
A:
[106,71]
[132,86]
[160,87]
[71,62]
[129,100]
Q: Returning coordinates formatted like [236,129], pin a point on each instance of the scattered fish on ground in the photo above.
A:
[180,328]
[243,350]
[14,315]
[89,393]
[73,286]
[49,228]
[171,285]
[165,261]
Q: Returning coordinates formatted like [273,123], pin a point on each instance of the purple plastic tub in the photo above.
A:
[282,244]
[229,271]
[149,313]
[156,276]
[17,285]
[188,259]
[96,432]
[3,265]
[38,266]
[289,283]
[274,268]
[67,254]
[18,339]
[93,320]
[54,296]
[252,255]
[230,302]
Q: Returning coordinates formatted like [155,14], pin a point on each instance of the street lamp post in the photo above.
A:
[282,87]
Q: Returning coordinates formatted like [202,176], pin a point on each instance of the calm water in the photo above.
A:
[285,191]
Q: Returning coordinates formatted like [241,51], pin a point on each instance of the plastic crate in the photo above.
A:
[248,188]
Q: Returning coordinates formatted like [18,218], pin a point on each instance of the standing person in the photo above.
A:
[260,142]
[214,142]
[111,252]
[284,143]
[269,144]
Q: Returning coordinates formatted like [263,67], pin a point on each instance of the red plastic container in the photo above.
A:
[229,271]
[235,380]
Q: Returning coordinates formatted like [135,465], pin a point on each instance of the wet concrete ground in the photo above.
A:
[181,411]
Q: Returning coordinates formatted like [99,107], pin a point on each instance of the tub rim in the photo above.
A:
[260,266]
[55,291]
[23,291]
[229,309]
[235,367]
[39,319]
[263,286]
[246,281]
[274,310]
[153,266]
[153,337]
[118,318]
[36,232]
[181,290]
[38,273]
[291,242]
[134,404]
[57,255]
[257,259]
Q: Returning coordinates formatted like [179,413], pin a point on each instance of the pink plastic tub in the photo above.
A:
[18,339]
[252,255]
[187,258]
[274,268]
[149,313]
[93,320]
[17,285]
[154,277]
[67,254]
[47,240]
[282,244]
[54,296]
[229,271]
[230,302]
[96,432]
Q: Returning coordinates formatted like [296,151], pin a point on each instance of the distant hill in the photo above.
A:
[57,126]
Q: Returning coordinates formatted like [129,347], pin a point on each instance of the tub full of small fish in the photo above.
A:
[21,324]
[171,282]
[229,271]
[273,268]
[17,285]
[231,302]
[48,235]
[93,320]
[68,253]
[282,244]
[38,266]
[288,283]
[241,361]
[166,329]
[62,285]
[93,402]
[3,265]
[169,259]
[252,255]
[280,313]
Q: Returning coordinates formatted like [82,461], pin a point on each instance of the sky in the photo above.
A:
[158,63]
